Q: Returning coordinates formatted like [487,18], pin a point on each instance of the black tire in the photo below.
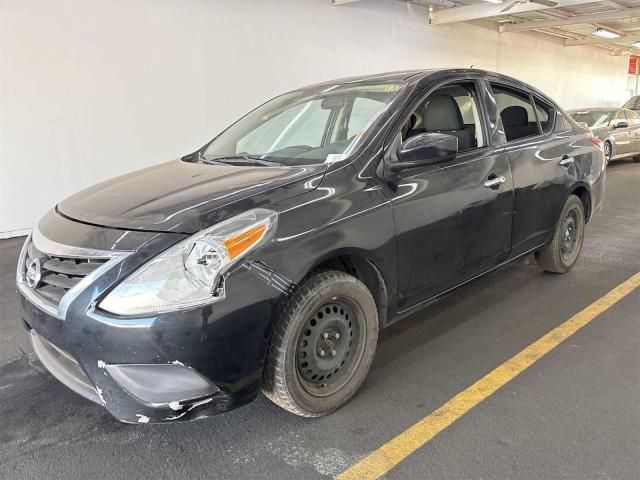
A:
[636,159]
[608,152]
[564,249]
[300,335]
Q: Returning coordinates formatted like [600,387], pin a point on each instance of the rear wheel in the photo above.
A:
[563,250]
[323,345]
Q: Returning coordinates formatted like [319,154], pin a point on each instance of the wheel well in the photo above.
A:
[583,194]
[365,271]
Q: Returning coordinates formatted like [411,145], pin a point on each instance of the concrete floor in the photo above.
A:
[575,414]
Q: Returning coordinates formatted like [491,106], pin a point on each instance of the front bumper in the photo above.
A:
[64,367]
[204,361]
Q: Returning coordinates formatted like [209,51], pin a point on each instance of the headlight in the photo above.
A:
[189,273]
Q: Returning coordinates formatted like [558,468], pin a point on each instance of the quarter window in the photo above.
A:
[516,112]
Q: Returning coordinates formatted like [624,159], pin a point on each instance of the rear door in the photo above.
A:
[453,220]
[542,162]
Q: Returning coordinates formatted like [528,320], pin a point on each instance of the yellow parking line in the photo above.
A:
[397,449]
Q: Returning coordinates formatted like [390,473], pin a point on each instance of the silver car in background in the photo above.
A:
[618,128]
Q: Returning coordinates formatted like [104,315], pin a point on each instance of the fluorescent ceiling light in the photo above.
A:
[635,44]
[497,2]
[601,32]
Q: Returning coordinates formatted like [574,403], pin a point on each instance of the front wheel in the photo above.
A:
[563,250]
[323,345]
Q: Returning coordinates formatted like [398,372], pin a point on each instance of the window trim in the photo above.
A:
[551,116]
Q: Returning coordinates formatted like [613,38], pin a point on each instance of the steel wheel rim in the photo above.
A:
[569,235]
[330,346]
[607,151]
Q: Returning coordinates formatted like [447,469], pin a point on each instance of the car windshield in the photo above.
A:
[593,118]
[304,127]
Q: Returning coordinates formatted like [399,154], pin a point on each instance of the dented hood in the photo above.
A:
[181,196]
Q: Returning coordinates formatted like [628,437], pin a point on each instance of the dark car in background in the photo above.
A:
[269,259]
[618,128]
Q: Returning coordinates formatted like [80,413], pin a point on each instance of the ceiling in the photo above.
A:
[573,20]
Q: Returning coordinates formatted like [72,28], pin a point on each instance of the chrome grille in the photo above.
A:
[59,274]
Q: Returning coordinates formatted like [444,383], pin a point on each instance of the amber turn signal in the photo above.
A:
[243,241]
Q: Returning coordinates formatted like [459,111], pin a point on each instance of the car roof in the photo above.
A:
[397,76]
[410,75]
[414,76]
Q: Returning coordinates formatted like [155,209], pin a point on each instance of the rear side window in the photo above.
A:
[516,112]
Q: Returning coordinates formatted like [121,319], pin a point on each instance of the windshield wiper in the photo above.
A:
[240,160]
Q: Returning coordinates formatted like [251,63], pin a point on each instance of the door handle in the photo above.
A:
[494,182]
[566,161]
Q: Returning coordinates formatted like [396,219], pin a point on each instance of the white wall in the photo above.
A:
[90,89]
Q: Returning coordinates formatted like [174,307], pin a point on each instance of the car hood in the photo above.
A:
[185,197]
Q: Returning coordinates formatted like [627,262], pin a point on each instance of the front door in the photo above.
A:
[453,220]
[621,134]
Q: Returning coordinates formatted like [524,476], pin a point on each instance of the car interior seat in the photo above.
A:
[442,115]
[515,121]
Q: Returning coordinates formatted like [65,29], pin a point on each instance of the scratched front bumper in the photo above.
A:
[224,342]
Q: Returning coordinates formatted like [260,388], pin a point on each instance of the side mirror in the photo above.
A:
[621,124]
[425,149]
[192,157]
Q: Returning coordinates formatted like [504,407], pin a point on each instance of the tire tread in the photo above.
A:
[274,379]
[549,257]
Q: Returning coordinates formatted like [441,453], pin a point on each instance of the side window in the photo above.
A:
[453,110]
[544,113]
[516,112]
[620,117]
[633,117]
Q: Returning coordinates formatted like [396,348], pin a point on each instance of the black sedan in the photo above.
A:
[269,259]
